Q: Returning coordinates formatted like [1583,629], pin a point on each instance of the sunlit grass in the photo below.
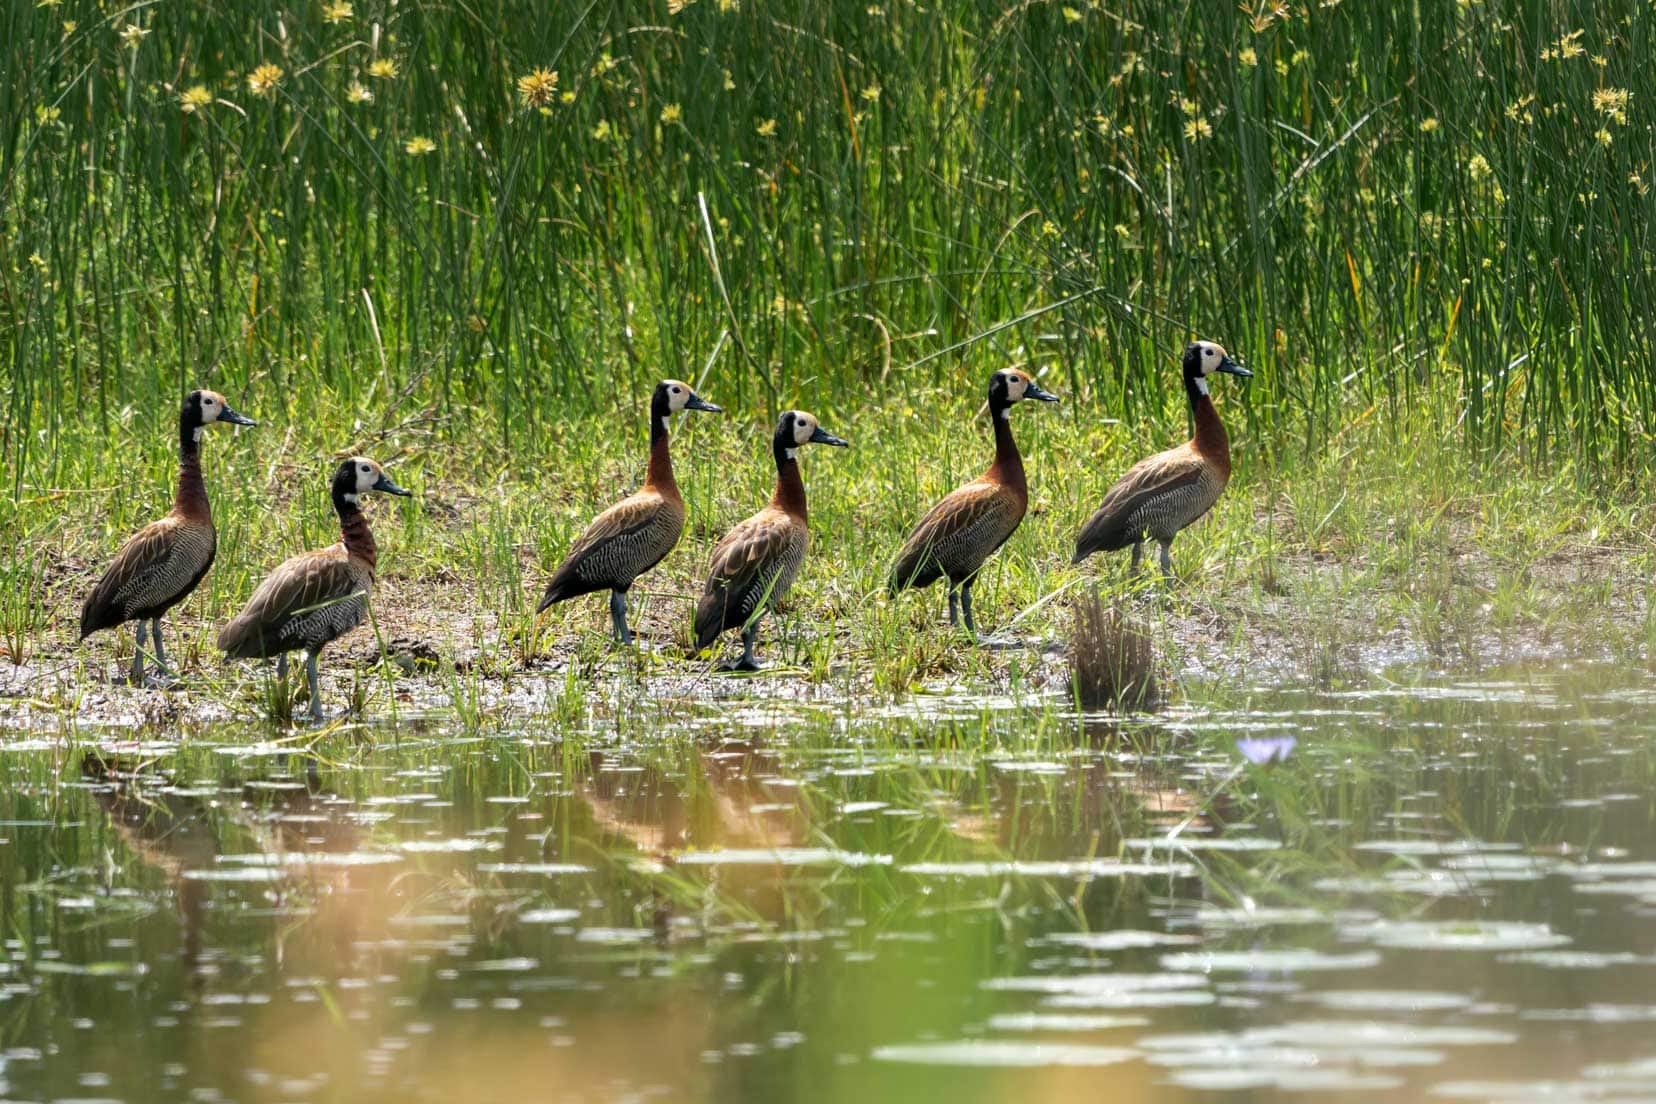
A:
[468,243]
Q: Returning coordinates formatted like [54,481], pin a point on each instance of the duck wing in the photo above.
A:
[157,567]
[1110,527]
[753,565]
[621,543]
[957,535]
[307,601]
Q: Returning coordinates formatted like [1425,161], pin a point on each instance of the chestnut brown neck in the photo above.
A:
[190,500]
[1210,440]
[1008,469]
[789,496]
[659,475]
[354,532]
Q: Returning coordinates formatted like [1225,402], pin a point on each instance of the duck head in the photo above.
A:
[358,475]
[1203,358]
[796,428]
[672,396]
[1013,385]
[202,408]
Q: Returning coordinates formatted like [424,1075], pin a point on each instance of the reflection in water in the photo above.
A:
[1448,889]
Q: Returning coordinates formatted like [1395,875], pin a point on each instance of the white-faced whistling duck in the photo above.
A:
[1162,494]
[634,535]
[756,562]
[315,597]
[161,564]
[971,522]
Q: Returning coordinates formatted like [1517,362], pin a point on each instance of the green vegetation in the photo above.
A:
[467,240]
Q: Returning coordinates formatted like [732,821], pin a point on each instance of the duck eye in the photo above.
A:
[206,402]
[365,469]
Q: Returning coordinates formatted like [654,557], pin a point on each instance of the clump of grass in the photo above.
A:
[1112,662]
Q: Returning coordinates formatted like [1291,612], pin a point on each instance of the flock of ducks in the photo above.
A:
[312,599]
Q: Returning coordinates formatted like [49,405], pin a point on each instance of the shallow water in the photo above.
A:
[1447,891]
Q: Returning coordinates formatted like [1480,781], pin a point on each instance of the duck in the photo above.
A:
[756,562]
[1165,493]
[161,564]
[964,529]
[635,534]
[314,598]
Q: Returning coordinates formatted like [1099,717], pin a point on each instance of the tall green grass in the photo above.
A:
[1439,206]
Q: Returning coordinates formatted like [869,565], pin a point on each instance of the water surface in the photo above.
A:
[1447,891]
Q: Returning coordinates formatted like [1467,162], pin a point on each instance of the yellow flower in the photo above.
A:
[537,88]
[871,93]
[419,146]
[1603,137]
[1478,168]
[672,113]
[358,93]
[727,6]
[131,35]
[1248,57]
[729,82]
[1188,106]
[1428,125]
[337,12]
[1299,56]
[1569,46]
[263,80]
[69,26]
[194,99]
[1049,229]
[676,6]
[602,131]
[1612,102]
[1071,15]
[1198,129]
[383,68]
[45,114]
[767,128]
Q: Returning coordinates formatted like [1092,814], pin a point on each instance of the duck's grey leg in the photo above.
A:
[315,690]
[138,658]
[1167,558]
[618,616]
[281,668]
[160,651]
[954,612]
[1138,555]
[749,661]
[966,608]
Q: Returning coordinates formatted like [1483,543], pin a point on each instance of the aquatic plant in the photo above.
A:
[1112,662]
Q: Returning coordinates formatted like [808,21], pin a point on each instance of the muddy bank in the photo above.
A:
[1310,619]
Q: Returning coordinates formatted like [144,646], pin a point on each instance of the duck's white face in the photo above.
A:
[1211,356]
[804,426]
[211,405]
[367,473]
[1017,384]
[678,394]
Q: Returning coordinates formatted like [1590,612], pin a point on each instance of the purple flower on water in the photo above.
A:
[1262,751]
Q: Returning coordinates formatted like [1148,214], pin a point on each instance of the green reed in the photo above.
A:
[1383,207]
